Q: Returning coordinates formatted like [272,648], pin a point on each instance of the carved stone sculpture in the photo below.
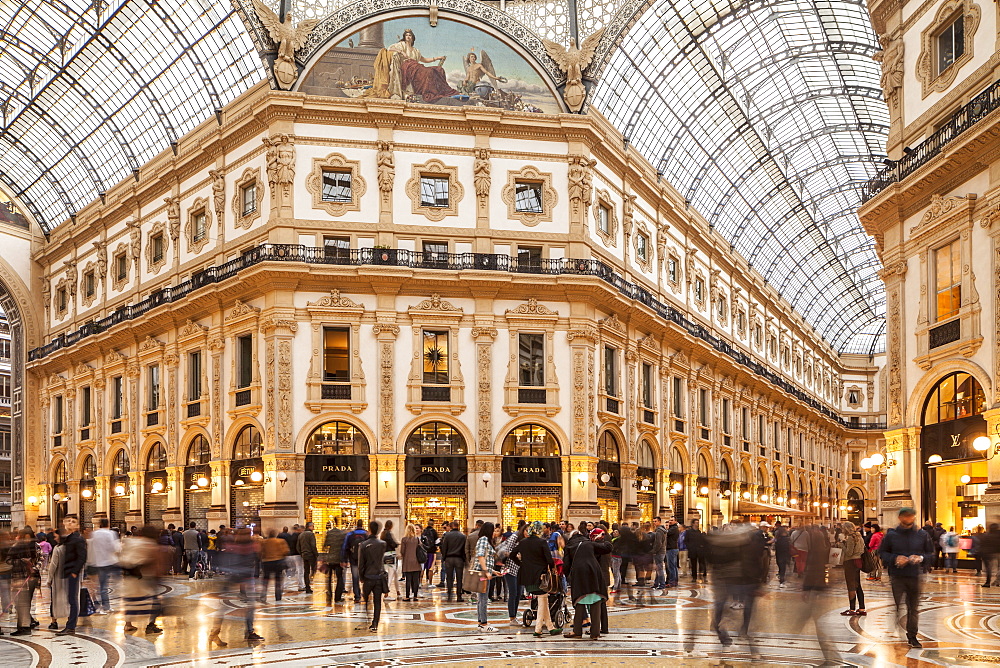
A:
[102,260]
[481,175]
[173,217]
[572,62]
[386,169]
[288,37]
[219,194]
[890,57]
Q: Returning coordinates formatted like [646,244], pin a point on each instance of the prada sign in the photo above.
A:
[437,469]
[539,470]
[337,468]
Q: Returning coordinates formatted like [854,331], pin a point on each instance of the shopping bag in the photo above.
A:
[549,582]
[87,607]
[473,582]
[835,555]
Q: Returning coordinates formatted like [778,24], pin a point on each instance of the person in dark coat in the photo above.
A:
[371,569]
[588,584]
[782,551]
[334,558]
[695,540]
[989,551]
[535,558]
[904,551]
[74,561]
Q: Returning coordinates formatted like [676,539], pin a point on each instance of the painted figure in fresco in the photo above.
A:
[401,67]
[475,71]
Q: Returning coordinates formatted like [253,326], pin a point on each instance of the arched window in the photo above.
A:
[59,475]
[854,495]
[957,395]
[775,485]
[199,452]
[607,447]
[790,483]
[530,440]
[724,473]
[157,458]
[121,463]
[702,466]
[248,444]
[676,461]
[761,478]
[337,438]
[89,468]
[435,438]
[647,459]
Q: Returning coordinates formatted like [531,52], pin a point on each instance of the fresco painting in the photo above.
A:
[452,64]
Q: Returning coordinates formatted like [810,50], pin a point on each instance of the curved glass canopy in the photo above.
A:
[93,89]
[768,118]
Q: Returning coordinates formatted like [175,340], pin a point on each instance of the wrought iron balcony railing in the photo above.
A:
[397,257]
[979,108]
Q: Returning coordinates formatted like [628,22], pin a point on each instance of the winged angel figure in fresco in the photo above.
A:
[288,37]
[476,69]
[573,62]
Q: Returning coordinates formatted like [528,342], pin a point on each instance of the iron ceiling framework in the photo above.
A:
[769,119]
[94,89]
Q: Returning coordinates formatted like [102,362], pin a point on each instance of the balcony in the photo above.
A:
[152,419]
[336,391]
[530,395]
[613,405]
[435,393]
[194,409]
[961,121]
[116,427]
[243,398]
[648,416]
[269,252]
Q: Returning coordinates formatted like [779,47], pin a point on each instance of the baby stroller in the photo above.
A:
[558,610]
[202,570]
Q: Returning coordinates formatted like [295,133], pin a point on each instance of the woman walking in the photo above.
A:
[272,561]
[411,566]
[853,549]
[59,603]
[391,560]
[24,558]
[949,546]
[873,545]
[536,560]
[588,585]
[485,566]
[511,566]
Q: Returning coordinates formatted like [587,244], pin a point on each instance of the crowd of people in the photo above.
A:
[559,572]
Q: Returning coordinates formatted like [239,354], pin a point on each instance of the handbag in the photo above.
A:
[549,581]
[421,554]
[835,554]
[473,581]
[389,559]
[869,562]
[87,607]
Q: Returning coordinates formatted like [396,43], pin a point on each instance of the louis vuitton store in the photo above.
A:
[437,475]
[338,473]
[531,476]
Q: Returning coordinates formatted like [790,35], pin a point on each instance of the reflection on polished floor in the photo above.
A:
[959,626]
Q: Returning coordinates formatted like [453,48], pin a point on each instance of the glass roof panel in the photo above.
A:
[96,89]
[768,118]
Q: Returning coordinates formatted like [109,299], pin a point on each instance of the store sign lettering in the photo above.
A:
[246,470]
[337,469]
[956,440]
[435,469]
[530,469]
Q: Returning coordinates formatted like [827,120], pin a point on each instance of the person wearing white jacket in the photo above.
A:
[102,553]
[949,545]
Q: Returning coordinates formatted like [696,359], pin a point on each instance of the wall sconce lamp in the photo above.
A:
[746,495]
[983,444]
[157,487]
[202,482]
[582,479]
[704,490]
[487,476]
[605,477]
[32,500]
[727,493]
[934,459]
[282,478]
[120,490]
[764,497]
[816,503]
[86,493]
[880,464]
[966,479]
[794,502]
[826,505]
[239,482]
[57,497]
[256,476]
[386,477]
[193,487]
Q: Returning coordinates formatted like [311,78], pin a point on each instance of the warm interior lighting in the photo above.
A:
[727,493]
[966,479]
[764,497]
[815,503]
[246,504]
[746,495]
[120,490]
[239,482]
[934,459]
[582,479]
[981,443]
[794,502]
[193,487]
[866,463]
[704,490]
[57,497]
[826,505]
[780,499]
[605,477]
[32,500]
[202,481]
[256,476]
[157,487]
[86,493]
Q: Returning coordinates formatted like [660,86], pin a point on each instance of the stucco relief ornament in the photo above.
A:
[386,169]
[219,193]
[173,217]
[890,57]
[288,37]
[572,62]
[481,175]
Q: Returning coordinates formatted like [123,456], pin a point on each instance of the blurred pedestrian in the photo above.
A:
[144,561]
[949,547]
[334,559]
[24,559]
[308,555]
[371,567]
[904,550]
[588,584]
[853,549]
[240,567]
[536,560]
[74,559]
[273,552]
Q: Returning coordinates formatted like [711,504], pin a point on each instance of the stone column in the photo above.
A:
[691,500]
[991,498]
[484,497]
[284,504]
[218,513]
[174,514]
[102,498]
[630,498]
[137,487]
[389,480]
[484,337]
[903,468]
[385,335]
[582,498]
[73,491]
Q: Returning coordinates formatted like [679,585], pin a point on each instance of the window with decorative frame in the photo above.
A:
[336,330]
[248,198]
[529,196]
[642,248]
[947,280]
[531,384]
[605,218]
[89,283]
[336,184]
[120,263]
[435,190]
[946,44]
[199,221]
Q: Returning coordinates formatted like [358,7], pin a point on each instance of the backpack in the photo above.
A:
[953,540]
[421,552]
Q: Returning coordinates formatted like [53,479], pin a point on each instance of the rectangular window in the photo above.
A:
[337,247]
[531,360]
[672,270]
[529,257]
[761,431]
[57,415]
[699,290]
[726,417]
[194,376]
[703,407]
[4,444]
[337,354]
[642,247]
[61,299]
[678,398]
[5,349]
[604,219]
[336,186]
[745,424]
[116,398]
[89,284]
[948,279]
[157,242]
[951,44]
[610,371]
[4,386]
[244,360]
[721,308]
[435,354]
[434,191]
[85,408]
[647,385]
[200,226]
[435,252]
[248,199]
[776,436]
[528,197]
[153,378]
[121,267]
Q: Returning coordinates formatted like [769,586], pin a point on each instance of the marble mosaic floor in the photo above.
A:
[960,626]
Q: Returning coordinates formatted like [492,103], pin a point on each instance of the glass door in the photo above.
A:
[436,509]
[530,508]
[345,511]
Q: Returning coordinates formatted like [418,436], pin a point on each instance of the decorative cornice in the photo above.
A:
[334,300]
[435,303]
[240,310]
[532,307]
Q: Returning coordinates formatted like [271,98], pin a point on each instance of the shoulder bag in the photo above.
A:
[549,582]
[473,581]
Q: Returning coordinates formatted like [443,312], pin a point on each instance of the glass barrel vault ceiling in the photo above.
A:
[93,89]
[768,118]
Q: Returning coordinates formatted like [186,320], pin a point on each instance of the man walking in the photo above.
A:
[294,558]
[308,555]
[334,559]
[191,539]
[904,551]
[673,534]
[74,561]
[351,543]
[104,547]
[453,555]
[659,553]
[371,567]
